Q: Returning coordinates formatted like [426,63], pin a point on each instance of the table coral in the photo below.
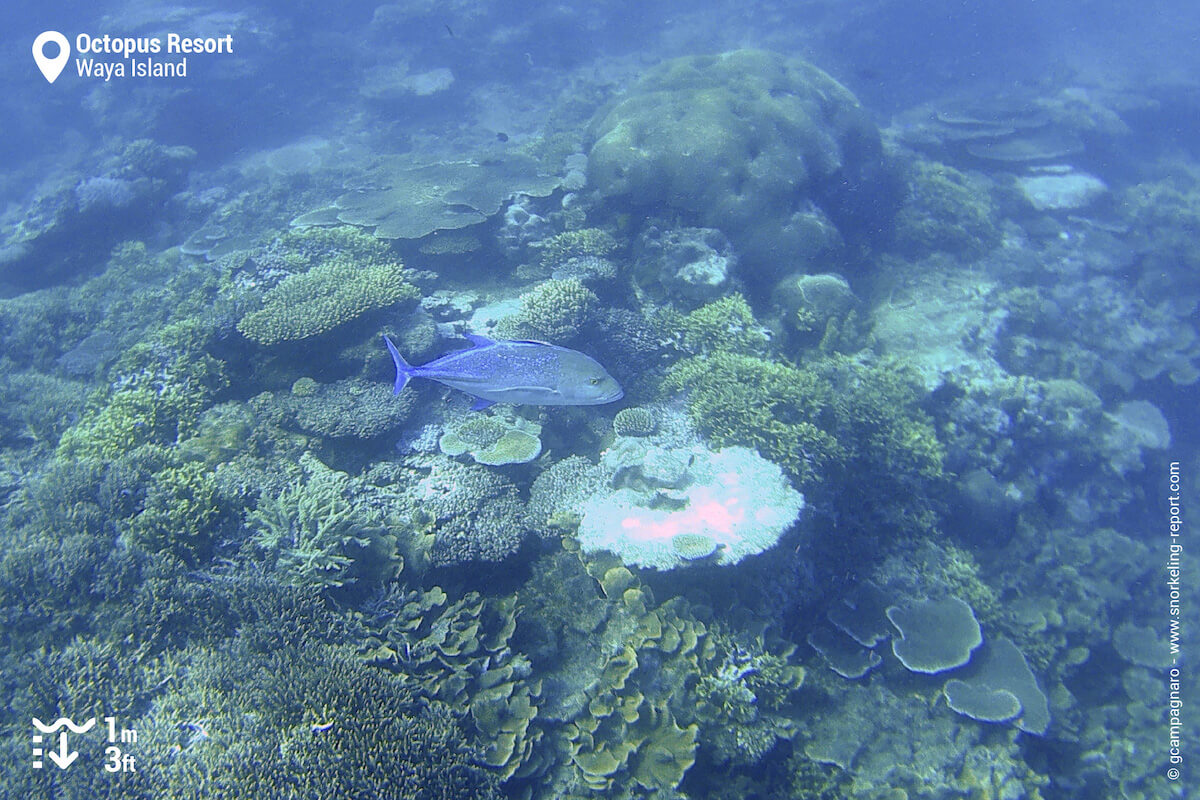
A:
[935,635]
[410,199]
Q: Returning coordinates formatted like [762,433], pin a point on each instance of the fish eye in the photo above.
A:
[595,381]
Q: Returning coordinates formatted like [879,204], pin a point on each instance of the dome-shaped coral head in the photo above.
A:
[528,373]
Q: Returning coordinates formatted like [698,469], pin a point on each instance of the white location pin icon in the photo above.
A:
[51,67]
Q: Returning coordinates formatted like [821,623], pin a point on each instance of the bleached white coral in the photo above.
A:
[727,505]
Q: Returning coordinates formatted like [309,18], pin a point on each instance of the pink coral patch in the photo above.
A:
[707,513]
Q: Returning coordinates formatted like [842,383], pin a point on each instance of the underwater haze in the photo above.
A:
[808,404]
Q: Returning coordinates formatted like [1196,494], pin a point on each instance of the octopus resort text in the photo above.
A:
[138,55]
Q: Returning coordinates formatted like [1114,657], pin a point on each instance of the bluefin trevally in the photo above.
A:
[525,373]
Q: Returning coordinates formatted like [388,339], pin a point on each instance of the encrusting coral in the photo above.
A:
[493,439]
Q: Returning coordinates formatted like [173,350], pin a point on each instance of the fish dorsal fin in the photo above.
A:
[479,341]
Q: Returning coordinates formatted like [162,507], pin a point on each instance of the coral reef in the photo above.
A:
[812,304]
[685,265]
[182,513]
[635,421]
[417,199]
[55,234]
[999,679]
[726,325]
[311,534]
[346,409]
[564,247]
[972,355]
[562,489]
[736,400]
[459,653]
[836,418]
[935,635]
[474,513]
[144,408]
[321,721]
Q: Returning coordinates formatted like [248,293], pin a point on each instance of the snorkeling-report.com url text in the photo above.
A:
[1175,531]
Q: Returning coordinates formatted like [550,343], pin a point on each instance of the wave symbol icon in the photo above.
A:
[63,722]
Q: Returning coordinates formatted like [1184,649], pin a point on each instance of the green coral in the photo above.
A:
[459,653]
[555,310]
[745,697]
[304,387]
[166,381]
[341,288]
[183,513]
[146,408]
[323,724]
[635,691]
[312,534]
[772,407]
[726,325]
[945,211]
[836,427]
[38,408]
[221,434]
[576,243]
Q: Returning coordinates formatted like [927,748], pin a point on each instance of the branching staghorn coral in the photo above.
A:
[312,534]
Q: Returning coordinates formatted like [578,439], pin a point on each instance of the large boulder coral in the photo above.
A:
[771,150]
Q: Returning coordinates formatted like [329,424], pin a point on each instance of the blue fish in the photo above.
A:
[525,373]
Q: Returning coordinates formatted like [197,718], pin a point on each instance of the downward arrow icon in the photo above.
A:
[64,758]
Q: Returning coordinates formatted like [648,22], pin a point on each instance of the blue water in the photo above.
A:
[898,500]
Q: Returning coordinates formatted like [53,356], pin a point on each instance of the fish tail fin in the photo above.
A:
[404,370]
